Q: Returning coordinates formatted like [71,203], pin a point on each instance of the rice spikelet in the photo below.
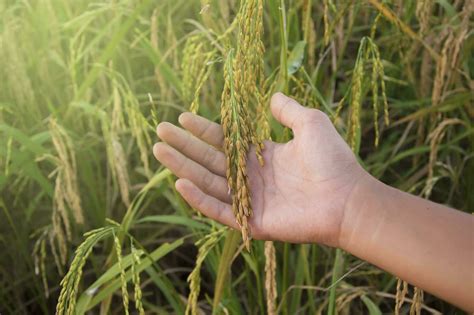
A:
[423,13]
[136,281]
[402,290]
[120,168]
[70,283]
[205,245]
[368,51]
[136,121]
[270,277]
[196,67]
[66,201]
[415,308]
[123,280]
[68,190]
[356,92]
[326,21]
[435,138]
[309,33]
[447,64]
[441,71]
[54,250]
[117,161]
[39,257]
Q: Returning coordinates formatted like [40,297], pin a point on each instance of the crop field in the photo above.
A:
[91,223]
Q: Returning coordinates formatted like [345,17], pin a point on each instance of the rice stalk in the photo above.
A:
[165,92]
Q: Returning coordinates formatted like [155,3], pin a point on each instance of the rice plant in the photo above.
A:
[90,223]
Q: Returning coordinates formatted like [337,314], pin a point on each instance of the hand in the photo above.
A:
[301,193]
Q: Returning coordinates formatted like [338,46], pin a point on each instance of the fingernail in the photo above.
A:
[159,129]
[279,95]
[181,118]
[155,147]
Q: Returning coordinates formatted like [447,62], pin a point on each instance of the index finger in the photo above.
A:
[203,128]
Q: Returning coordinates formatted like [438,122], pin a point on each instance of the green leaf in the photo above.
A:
[296,57]
[24,139]
[337,270]
[373,309]
[164,68]
[168,288]
[176,220]
[91,297]
[231,245]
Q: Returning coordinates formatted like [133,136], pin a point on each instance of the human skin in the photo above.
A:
[312,190]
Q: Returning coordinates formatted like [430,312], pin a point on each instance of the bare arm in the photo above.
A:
[424,243]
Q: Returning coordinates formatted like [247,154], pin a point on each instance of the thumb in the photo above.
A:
[287,111]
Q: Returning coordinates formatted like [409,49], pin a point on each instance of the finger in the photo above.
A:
[202,128]
[207,205]
[183,167]
[194,148]
[287,111]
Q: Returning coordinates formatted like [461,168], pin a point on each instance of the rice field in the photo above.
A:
[91,223]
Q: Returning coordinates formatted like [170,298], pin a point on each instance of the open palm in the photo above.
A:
[299,195]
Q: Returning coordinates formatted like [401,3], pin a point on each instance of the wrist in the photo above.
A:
[361,214]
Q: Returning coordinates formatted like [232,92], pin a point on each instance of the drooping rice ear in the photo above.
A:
[270,277]
[241,96]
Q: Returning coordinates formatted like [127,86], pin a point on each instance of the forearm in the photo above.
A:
[424,243]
